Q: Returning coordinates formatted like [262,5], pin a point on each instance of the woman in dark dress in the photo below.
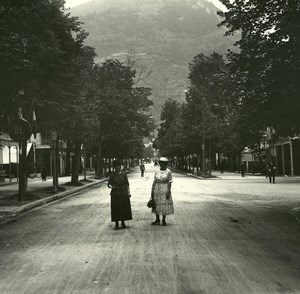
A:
[120,196]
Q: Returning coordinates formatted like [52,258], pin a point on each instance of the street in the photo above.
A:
[230,235]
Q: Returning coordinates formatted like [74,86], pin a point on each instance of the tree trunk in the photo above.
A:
[105,166]
[68,159]
[110,165]
[99,173]
[209,155]
[22,170]
[76,162]
[56,162]
[84,163]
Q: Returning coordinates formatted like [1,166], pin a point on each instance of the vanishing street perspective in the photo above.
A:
[149,146]
[227,235]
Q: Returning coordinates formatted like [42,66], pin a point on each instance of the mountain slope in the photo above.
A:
[162,36]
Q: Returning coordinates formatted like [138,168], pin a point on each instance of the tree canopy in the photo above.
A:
[40,48]
[120,108]
[268,61]
[45,66]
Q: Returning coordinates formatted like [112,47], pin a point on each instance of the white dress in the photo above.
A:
[164,206]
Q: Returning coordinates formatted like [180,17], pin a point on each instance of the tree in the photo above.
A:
[78,126]
[268,62]
[209,113]
[38,44]
[121,110]
[41,51]
[170,139]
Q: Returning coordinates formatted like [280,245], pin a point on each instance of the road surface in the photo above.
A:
[236,235]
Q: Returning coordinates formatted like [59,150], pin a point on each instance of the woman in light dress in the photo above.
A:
[161,192]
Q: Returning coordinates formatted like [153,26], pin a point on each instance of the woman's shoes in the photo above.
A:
[116,226]
[123,226]
[157,222]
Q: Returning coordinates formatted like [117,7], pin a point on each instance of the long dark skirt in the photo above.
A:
[120,208]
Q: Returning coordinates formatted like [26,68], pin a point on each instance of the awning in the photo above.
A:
[42,147]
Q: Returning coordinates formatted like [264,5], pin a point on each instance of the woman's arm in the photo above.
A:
[152,189]
[168,195]
[169,190]
[126,182]
[128,190]
[109,183]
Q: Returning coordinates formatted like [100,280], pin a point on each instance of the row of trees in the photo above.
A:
[46,67]
[206,122]
[230,103]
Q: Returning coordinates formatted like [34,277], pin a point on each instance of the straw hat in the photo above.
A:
[163,159]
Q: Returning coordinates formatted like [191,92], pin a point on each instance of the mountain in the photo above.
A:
[160,36]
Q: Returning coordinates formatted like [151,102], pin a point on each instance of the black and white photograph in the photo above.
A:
[150,146]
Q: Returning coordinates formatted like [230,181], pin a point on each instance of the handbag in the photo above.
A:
[151,203]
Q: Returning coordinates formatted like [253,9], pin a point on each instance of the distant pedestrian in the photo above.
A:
[120,196]
[44,174]
[222,166]
[243,168]
[271,172]
[142,168]
[161,192]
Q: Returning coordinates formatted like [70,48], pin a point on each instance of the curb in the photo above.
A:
[194,176]
[41,202]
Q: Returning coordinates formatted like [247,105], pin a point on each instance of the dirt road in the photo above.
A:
[227,236]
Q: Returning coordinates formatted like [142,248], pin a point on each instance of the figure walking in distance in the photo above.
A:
[161,192]
[142,168]
[120,196]
[44,173]
[243,169]
[271,172]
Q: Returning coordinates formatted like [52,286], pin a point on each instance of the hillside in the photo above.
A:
[161,36]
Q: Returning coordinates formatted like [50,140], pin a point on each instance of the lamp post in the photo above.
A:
[203,135]
[291,155]
[8,144]
[203,143]
[2,172]
[54,138]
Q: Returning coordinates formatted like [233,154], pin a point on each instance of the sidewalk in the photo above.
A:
[38,193]
[217,175]
[250,176]
[8,181]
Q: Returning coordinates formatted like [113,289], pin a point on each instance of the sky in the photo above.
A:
[72,3]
